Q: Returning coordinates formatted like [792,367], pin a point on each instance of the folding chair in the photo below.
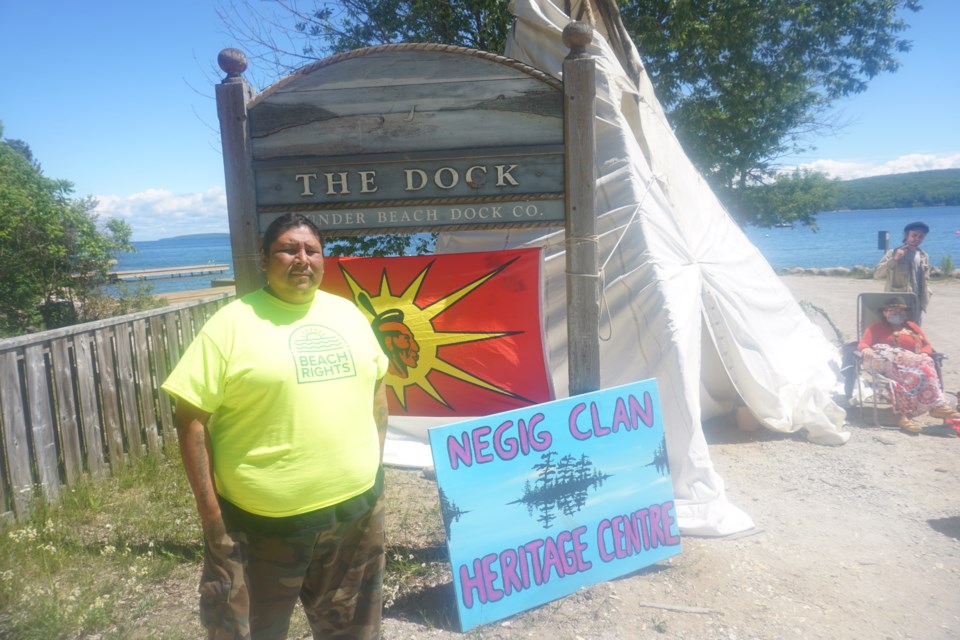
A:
[868,312]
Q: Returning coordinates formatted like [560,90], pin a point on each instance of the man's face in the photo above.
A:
[914,237]
[294,265]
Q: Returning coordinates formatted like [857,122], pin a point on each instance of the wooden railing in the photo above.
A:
[83,400]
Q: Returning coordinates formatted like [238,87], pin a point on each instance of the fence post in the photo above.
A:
[15,443]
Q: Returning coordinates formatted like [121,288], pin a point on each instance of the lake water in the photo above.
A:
[849,238]
[844,239]
[184,251]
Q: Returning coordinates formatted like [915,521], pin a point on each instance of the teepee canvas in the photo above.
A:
[687,299]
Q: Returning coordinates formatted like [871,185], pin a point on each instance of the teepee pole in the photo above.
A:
[583,281]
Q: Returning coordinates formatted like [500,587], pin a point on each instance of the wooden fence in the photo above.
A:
[83,400]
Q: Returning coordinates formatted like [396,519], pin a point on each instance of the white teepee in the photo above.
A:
[688,300]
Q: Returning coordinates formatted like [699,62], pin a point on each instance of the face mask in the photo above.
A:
[895,318]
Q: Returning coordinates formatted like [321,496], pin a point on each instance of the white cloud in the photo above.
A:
[850,169]
[158,213]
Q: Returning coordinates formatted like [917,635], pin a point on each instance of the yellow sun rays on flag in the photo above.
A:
[420,323]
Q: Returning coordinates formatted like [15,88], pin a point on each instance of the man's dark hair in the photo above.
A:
[916,226]
[281,224]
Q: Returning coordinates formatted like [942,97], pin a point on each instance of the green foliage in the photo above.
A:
[742,81]
[124,298]
[478,24]
[902,190]
[946,265]
[317,28]
[90,567]
[792,198]
[53,254]
[798,196]
[120,557]
[380,246]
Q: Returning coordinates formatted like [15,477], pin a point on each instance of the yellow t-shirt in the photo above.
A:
[290,390]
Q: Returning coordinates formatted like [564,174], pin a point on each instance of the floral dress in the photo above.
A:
[902,356]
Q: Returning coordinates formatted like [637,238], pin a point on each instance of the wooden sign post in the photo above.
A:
[583,278]
[232,97]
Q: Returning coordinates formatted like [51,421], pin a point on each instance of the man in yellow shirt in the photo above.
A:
[281,416]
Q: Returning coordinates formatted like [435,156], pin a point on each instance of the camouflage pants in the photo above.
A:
[249,587]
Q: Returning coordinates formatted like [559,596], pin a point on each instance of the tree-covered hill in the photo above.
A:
[919,189]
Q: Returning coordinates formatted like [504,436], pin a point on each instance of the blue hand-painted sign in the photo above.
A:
[540,501]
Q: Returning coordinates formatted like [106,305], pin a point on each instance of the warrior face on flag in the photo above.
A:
[397,342]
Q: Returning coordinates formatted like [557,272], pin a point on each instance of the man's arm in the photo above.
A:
[198,464]
[380,412]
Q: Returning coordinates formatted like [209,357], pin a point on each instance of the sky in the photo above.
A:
[117,97]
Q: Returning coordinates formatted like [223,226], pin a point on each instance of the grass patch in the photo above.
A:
[89,565]
[119,558]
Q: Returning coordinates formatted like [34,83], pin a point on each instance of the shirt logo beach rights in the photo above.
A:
[320,354]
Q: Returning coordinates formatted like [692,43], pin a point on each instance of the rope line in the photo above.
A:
[604,304]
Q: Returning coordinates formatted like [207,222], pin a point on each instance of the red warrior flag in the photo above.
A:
[463,331]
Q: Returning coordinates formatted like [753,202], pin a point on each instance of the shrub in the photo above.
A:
[946,264]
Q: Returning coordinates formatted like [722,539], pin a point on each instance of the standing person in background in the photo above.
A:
[281,416]
[907,268]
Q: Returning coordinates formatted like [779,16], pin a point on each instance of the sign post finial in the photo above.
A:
[577,36]
[233,62]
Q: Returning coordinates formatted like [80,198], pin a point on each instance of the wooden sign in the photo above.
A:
[540,501]
[405,138]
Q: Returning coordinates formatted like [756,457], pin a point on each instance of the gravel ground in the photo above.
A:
[860,541]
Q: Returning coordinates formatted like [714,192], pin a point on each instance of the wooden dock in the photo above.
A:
[167,272]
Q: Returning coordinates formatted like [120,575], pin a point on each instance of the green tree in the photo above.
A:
[53,254]
[791,198]
[743,82]
[284,36]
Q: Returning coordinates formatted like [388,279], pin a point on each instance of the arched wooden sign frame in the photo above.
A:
[420,137]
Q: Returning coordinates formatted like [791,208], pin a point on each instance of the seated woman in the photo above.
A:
[897,349]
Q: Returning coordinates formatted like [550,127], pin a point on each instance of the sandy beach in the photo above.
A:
[174,297]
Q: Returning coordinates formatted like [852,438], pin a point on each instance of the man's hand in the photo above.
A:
[224,597]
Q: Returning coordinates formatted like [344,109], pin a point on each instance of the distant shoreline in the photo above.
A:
[858,272]
[191,236]
[174,297]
